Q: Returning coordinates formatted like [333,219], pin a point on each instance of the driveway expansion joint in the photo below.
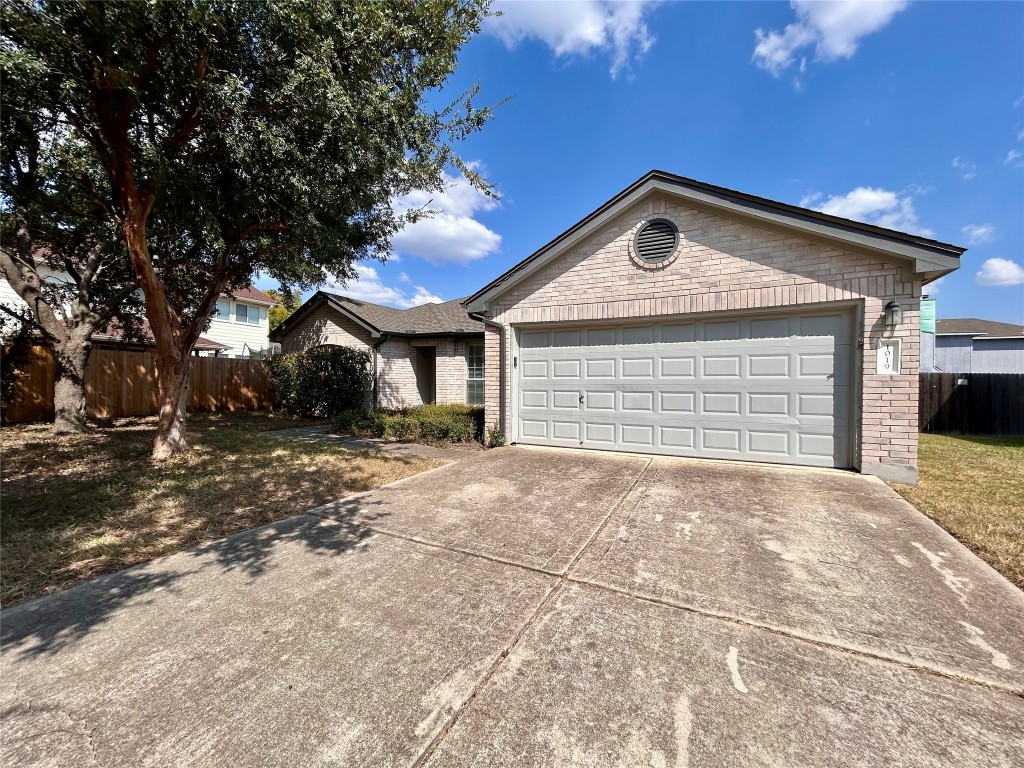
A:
[817,642]
[436,742]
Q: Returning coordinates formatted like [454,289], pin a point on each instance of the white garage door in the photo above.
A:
[769,388]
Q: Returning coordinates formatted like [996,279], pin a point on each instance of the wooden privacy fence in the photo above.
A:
[972,403]
[123,383]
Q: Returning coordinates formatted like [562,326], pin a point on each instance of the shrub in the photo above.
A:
[449,423]
[348,421]
[496,436]
[322,381]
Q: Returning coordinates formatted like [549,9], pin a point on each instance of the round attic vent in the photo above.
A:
[656,241]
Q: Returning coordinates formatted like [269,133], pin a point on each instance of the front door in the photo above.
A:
[426,373]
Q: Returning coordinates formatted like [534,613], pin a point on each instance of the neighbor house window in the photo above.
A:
[223,310]
[246,314]
[475,374]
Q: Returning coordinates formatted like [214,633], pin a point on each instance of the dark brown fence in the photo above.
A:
[972,403]
[123,383]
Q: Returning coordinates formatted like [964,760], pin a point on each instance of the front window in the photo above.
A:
[223,310]
[475,374]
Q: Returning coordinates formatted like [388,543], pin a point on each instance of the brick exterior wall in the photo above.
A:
[397,385]
[725,265]
[326,326]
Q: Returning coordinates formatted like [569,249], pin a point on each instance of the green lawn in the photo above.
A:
[974,488]
[77,507]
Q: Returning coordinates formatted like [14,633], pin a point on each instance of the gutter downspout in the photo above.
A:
[501,365]
[376,345]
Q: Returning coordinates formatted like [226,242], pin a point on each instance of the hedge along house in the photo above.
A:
[433,353]
[686,319]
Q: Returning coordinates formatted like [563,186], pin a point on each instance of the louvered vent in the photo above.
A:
[656,241]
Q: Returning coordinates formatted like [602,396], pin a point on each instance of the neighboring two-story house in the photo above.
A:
[242,323]
[240,326]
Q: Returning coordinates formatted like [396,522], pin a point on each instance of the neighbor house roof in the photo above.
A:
[931,258]
[972,326]
[115,332]
[250,294]
[445,319]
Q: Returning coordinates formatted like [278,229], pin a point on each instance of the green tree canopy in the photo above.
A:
[258,135]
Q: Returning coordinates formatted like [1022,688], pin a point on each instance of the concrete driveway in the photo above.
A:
[539,608]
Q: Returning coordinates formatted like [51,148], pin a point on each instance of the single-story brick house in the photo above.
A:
[428,354]
[686,319]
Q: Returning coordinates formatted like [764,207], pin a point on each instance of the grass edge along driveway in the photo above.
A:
[972,486]
[77,507]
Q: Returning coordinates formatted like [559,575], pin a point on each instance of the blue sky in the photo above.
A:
[909,115]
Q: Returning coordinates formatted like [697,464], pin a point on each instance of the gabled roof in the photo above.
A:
[446,319]
[931,258]
[248,293]
[972,326]
[114,332]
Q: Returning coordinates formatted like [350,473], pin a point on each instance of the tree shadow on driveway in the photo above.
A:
[50,624]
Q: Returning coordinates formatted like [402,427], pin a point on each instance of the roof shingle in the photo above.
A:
[449,317]
[972,325]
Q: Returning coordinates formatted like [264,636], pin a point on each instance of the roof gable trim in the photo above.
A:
[929,257]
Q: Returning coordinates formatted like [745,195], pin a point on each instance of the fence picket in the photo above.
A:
[120,383]
[972,403]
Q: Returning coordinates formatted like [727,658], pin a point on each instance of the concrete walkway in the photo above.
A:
[528,607]
[324,436]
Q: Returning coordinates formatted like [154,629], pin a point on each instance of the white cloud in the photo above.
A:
[871,205]
[979,233]
[577,27]
[367,286]
[1015,158]
[932,289]
[404,278]
[833,27]
[967,170]
[1000,272]
[449,234]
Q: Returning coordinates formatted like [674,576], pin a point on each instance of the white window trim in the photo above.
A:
[263,313]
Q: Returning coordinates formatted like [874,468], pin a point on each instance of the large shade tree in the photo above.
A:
[245,136]
[59,250]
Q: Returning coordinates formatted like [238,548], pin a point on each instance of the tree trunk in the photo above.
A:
[172,381]
[69,388]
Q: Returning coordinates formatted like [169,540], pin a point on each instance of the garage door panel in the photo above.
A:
[770,328]
[719,366]
[678,437]
[767,404]
[637,401]
[722,330]
[600,433]
[600,401]
[600,369]
[678,402]
[768,366]
[679,332]
[721,440]
[638,368]
[637,335]
[535,369]
[746,388]
[566,400]
[565,430]
[718,403]
[678,367]
[534,399]
[601,337]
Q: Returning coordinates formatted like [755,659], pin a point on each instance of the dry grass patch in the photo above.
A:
[73,508]
[972,487]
